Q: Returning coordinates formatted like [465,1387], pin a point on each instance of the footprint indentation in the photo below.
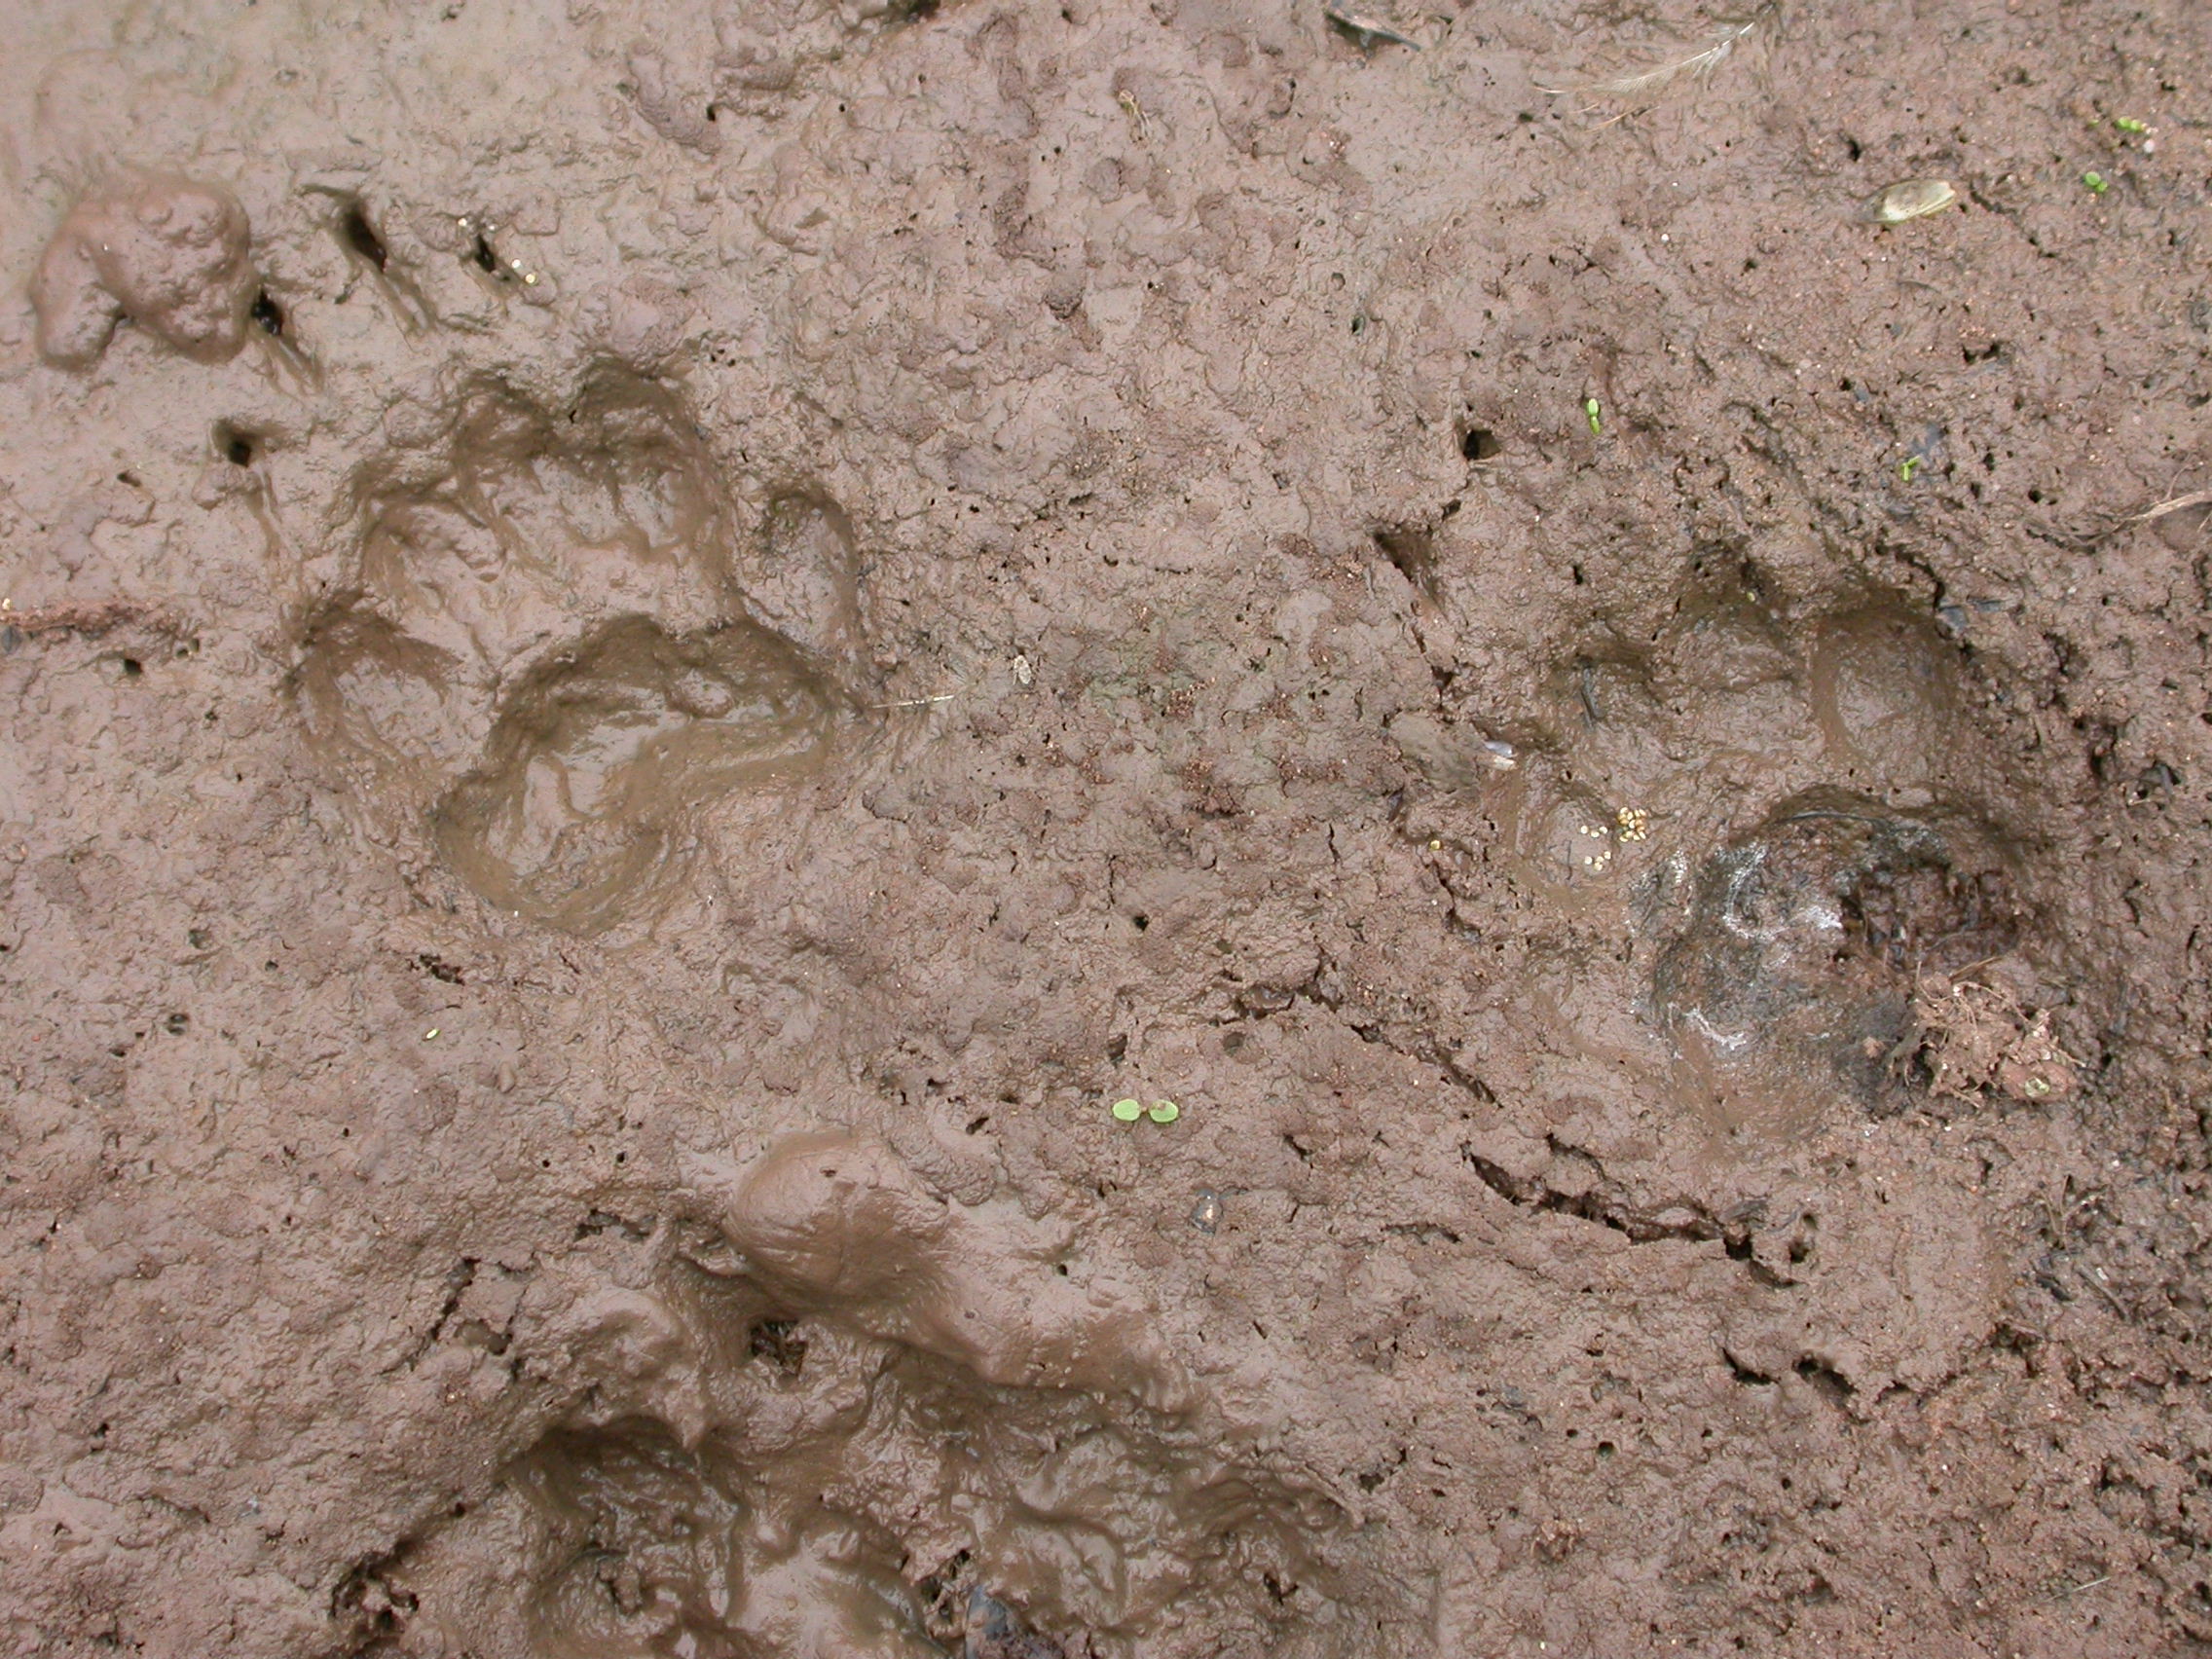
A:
[555,651]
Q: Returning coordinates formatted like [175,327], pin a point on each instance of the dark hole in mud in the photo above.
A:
[1917,908]
[944,1596]
[132,668]
[368,1600]
[267,315]
[178,1024]
[234,446]
[360,236]
[1831,1382]
[777,1341]
[486,260]
[1412,550]
[1476,444]
[1745,1374]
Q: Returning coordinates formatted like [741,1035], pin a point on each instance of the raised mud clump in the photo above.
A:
[844,1419]
[166,253]
[550,654]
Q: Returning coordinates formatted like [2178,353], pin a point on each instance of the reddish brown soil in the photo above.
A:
[652,649]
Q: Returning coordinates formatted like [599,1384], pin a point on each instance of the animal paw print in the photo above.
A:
[552,655]
[842,1418]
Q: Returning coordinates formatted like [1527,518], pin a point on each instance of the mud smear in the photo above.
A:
[835,1403]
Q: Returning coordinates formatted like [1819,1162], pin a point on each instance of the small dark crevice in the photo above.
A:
[1749,1376]
[1825,1378]
[1421,1232]
[360,236]
[1640,1225]
[366,1599]
[458,1282]
[268,315]
[777,1341]
[1412,550]
[235,446]
[601,1221]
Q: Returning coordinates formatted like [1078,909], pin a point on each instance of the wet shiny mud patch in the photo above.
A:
[1806,939]
[554,649]
[1784,826]
[844,1419]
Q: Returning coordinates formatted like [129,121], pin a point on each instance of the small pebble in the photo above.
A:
[1205,1214]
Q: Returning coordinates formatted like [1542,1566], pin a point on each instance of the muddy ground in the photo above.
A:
[654,650]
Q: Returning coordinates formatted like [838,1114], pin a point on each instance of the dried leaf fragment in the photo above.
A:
[1365,32]
[1912,198]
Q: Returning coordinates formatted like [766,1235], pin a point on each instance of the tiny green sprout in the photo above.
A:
[1907,467]
[2095,180]
[2128,124]
[1128,1111]
[1590,410]
[1165,1112]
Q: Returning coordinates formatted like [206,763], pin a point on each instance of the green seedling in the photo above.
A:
[1165,1112]
[1907,467]
[2095,181]
[2128,124]
[1590,412]
[1128,1111]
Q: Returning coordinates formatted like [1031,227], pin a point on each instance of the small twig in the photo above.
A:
[2194,499]
[2091,1585]
[1657,79]
[913,702]
[2096,1282]
[94,617]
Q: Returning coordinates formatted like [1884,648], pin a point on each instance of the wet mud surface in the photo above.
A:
[652,652]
